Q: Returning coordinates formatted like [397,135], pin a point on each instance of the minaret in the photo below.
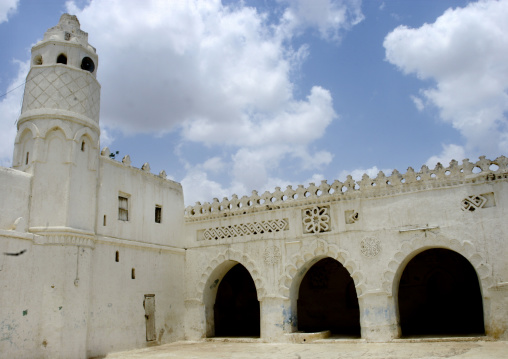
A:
[58,130]
[58,143]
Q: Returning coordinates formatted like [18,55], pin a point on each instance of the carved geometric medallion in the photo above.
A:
[316,219]
[370,247]
[471,203]
[272,255]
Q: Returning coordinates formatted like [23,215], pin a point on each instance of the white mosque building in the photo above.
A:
[97,256]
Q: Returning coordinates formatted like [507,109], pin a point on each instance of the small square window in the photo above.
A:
[123,208]
[158,214]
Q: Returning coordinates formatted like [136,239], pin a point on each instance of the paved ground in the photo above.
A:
[327,350]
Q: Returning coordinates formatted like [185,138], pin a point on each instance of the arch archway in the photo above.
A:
[327,300]
[439,294]
[236,309]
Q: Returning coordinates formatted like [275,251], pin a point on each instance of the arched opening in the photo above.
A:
[236,309]
[87,64]
[327,300]
[61,59]
[439,294]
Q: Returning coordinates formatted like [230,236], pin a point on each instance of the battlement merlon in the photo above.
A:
[68,29]
[382,185]
[145,168]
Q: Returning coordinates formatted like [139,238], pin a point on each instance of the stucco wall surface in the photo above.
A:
[117,313]
[15,194]
[144,192]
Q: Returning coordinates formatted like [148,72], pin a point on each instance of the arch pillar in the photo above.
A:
[276,318]
[378,316]
[195,314]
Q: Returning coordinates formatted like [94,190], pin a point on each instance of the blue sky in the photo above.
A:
[238,96]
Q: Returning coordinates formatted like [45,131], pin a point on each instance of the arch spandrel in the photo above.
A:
[233,256]
[409,249]
[299,263]
[27,127]
[58,125]
[87,133]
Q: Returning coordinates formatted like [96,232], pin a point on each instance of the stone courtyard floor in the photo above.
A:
[400,349]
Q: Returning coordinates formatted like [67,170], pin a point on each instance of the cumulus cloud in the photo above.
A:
[418,102]
[327,16]
[7,8]
[449,152]
[10,109]
[358,173]
[464,51]
[219,75]
[163,64]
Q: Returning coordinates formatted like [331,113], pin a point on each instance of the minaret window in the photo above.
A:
[61,59]
[83,146]
[87,64]
[27,155]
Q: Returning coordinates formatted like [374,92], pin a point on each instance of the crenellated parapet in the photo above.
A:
[411,181]
[126,161]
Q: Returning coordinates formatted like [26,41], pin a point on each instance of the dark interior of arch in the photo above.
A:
[87,64]
[439,294]
[236,310]
[61,59]
[327,300]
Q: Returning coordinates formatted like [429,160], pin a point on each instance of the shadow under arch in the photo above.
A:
[324,297]
[438,292]
[229,293]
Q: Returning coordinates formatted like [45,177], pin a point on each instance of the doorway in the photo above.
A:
[236,309]
[439,294]
[327,300]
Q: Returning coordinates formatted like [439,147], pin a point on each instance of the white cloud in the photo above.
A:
[163,64]
[295,122]
[106,137]
[214,164]
[197,187]
[220,75]
[449,152]
[7,8]
[358,173]
[418,102]
[10,109]
[328,16]
[464,51]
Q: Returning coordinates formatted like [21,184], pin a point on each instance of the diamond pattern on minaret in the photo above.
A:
[59,88]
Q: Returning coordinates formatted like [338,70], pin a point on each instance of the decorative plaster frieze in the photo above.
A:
[474,202]
[370,247]
[65,240]
[316,219]
[272,255]
[455,174]
[245,229]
